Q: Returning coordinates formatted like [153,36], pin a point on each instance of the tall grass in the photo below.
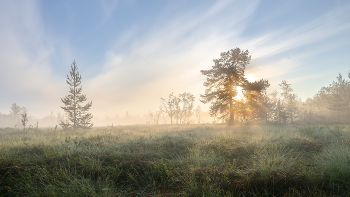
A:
[177,160]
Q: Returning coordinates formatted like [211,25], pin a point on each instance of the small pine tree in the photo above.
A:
[78,116]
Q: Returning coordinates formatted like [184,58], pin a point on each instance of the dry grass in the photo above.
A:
[177,160]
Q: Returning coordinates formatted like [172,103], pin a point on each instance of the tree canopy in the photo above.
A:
[78,115]
[223,80]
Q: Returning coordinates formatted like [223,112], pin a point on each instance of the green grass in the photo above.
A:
[179,160]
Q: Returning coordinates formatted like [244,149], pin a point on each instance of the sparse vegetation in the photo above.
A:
[182,160]
[172,107]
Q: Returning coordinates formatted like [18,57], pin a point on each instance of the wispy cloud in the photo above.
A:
[166,58]
[25,52]
[144,62]
[268,49]
[278,41]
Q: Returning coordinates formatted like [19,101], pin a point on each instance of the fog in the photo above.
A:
[54,119]
[130,55]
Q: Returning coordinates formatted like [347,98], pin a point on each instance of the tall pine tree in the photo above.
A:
[223,79]
[78,116]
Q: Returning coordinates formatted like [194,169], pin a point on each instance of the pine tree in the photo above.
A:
[224,82]
[255,106]
[272,106]
[223,79]
[289,100]
[78,116]
[281,113]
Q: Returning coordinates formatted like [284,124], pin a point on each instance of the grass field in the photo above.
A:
[177,160]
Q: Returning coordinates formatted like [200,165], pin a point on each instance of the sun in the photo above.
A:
[240,95]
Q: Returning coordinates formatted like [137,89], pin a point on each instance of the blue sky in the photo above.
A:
[131,53]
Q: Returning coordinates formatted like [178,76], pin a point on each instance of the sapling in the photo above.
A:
[78,116]
[24,120]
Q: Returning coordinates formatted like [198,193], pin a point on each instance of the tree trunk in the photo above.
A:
[232,115]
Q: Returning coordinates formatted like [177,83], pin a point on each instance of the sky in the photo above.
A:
[131,53]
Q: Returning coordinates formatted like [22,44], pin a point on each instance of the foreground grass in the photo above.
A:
[183,160]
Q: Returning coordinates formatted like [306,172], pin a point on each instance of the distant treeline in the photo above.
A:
[13,119]
[329,105]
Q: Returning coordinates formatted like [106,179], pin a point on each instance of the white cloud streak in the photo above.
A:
[26,76]
[329,24]
[166,59]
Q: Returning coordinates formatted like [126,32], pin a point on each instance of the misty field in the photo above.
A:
[177,160]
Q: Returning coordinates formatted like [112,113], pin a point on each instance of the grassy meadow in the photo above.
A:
[177,160]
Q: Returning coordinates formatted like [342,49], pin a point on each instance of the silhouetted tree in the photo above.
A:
[15,113]
[59,118]
[24,110]
[177,114]
[289,99]
[78,115]
[305,115]
[339,97]
[187,100]
[198,114]
[281,112]
[264,107]
[333,102]
[158,114]
[170,106]
[179,108]
[150,115]
[222,82]
[24,120]
[272,106]
[255,104]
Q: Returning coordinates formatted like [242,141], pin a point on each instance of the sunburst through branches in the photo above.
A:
[240,96]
